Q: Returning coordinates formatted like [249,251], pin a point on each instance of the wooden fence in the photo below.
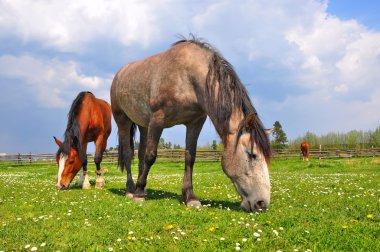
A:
[202,155]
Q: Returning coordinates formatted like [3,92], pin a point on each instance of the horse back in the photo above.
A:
[95,118]
[172,82]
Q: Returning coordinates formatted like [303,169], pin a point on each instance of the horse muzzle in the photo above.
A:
[254,205]
[62,187]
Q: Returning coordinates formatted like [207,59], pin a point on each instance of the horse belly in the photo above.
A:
[137,111]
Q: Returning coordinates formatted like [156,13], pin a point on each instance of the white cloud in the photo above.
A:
[333,62]
[69,25]
[48,80]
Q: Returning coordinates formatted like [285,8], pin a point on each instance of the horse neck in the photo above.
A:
[228,136]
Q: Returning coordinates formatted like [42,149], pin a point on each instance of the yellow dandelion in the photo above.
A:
[129,237]
[212,229]
[211,213]
[370,216]
[168,227]
[344,226]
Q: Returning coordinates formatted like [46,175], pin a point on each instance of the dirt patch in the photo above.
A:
[375,161]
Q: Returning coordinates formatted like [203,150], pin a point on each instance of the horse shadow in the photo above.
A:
[153,194]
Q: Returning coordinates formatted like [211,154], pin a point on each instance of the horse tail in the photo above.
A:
[122,159]
[132,138]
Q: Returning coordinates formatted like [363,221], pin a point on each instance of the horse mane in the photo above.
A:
[226,92]
[72,136]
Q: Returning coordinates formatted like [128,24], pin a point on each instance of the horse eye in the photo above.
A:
[71,161]
[251,155]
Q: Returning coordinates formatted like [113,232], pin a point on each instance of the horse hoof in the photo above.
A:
[129,195]
[139,199]
[194,204]
[86,186]
[99,185]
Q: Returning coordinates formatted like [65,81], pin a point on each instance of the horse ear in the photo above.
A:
[269,131]
[249,121]
[59,143]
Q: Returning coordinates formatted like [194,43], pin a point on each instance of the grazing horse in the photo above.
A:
[89,120]
[305,149]
[184,85]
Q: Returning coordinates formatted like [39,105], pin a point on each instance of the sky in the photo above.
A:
[311,65]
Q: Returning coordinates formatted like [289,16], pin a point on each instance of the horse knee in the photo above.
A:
[150,157]
[98,159]
[129,154]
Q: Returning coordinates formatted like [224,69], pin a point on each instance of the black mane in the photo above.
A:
[72,136]
[231,94]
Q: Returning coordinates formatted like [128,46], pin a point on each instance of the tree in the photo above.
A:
[374,138]
[161,143]
[168,145]
[176,146]
[214,145]
[279,135]
[164,145]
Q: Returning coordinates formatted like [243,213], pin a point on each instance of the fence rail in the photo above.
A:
[202,155]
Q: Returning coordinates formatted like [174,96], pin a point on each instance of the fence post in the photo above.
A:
[19,158]
[320,151]
[373,151]
[30,157]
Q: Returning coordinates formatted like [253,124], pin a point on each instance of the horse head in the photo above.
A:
[69,165]
[247,165]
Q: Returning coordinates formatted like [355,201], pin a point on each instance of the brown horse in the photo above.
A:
[184,85]
[89,120]
[305,149]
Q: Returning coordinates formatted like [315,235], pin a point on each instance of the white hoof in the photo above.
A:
[129,195]
[100,183]
[86,186]
[194,204]
[86,183]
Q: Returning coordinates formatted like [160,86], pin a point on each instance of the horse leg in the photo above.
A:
[141,153]
[84,180]
[153,136]
[192,133]
[100,146]
[125,131]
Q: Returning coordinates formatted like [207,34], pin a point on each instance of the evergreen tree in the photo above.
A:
[214,145]
[176,146]
[279,135]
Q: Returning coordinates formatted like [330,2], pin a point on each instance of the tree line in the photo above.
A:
[351,139]
[279,140]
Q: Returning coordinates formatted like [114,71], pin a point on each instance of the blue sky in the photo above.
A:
[312,65]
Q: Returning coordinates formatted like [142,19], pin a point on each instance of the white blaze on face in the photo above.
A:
[61,167]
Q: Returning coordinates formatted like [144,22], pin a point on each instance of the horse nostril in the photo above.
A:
[261,205]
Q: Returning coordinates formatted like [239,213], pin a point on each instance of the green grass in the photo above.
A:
[327,205]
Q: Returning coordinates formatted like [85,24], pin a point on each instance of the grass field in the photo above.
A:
[327,205]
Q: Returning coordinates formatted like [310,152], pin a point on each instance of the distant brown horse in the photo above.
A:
[305,149]
[89,120]
[184,85]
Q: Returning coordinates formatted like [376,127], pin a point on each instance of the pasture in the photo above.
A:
[323,205]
